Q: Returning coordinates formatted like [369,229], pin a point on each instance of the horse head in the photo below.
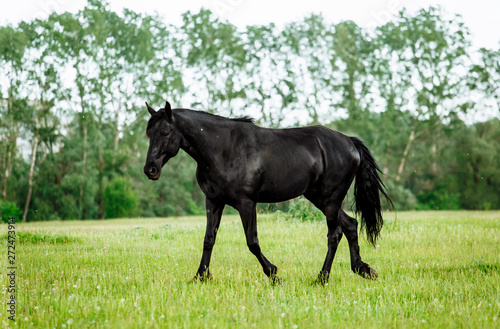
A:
[164,140]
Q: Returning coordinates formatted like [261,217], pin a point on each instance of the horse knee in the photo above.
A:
[208,243]
[335,236]
[208,246]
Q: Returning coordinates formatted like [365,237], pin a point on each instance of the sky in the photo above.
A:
[482,17]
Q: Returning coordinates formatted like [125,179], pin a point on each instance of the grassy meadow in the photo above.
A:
[436,269]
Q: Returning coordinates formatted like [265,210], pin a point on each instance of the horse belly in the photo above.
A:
[286,180]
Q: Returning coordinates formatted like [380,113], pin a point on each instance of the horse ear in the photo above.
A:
[168,112]
[150,109]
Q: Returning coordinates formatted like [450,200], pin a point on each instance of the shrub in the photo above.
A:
[9,209]
[119,199]
[302,210]
[440,198]
[402,198]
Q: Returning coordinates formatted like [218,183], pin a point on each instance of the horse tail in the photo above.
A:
[367,187]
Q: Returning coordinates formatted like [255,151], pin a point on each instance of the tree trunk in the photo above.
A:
[100,205]
[405,155]
[100,168]
[385,170]
[30,178]
[117,139]
[8,168]
[434,167]
[3,162]
[84,163]
[10,148]
[117,130]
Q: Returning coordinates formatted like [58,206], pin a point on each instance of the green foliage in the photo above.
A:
[13,44]
[440,198]
[404,88]
[120,200]
[303,211]
[9,209]
[402,198]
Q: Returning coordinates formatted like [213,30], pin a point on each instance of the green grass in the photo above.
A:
[436,269]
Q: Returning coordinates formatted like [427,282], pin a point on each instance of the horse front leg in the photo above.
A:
[214,215]
[248,216]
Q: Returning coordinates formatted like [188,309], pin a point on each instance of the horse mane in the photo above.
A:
[160,114]
[245,119]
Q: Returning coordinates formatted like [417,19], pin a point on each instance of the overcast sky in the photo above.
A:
[481,16]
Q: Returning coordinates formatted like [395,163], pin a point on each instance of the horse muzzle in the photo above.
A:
[152,172]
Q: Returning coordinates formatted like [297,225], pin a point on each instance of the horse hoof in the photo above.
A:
[370,274]
[201,278]
[321,280]
[373,274]
[276,280]
[366,272]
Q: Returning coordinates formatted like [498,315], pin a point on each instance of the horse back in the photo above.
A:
[291,161]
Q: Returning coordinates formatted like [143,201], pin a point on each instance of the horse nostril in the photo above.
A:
[152,171]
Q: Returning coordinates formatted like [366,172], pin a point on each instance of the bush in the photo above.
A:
[9,209]
[119,199]
[440,198]
[402,198]
[302,210]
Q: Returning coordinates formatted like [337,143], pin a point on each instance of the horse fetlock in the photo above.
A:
[322,278]
[202,276]
[365,271]
[271,271]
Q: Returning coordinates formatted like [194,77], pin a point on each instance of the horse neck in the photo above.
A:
[200,136]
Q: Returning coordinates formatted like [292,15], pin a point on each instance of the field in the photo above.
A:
[436,269]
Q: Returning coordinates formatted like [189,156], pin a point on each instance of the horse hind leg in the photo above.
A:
[334,236]
[348,226]
[350,229]
[331,211]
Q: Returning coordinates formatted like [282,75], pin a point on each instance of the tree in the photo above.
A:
[310,40]
[484,78]
[476,157]
[351,48]
[214,54]
[13,44]
[43,87]
[429,53]
[270,73]
[73,86]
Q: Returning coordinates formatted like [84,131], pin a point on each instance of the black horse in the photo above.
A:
[241,164]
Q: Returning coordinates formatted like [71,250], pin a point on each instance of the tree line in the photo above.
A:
[73,87]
